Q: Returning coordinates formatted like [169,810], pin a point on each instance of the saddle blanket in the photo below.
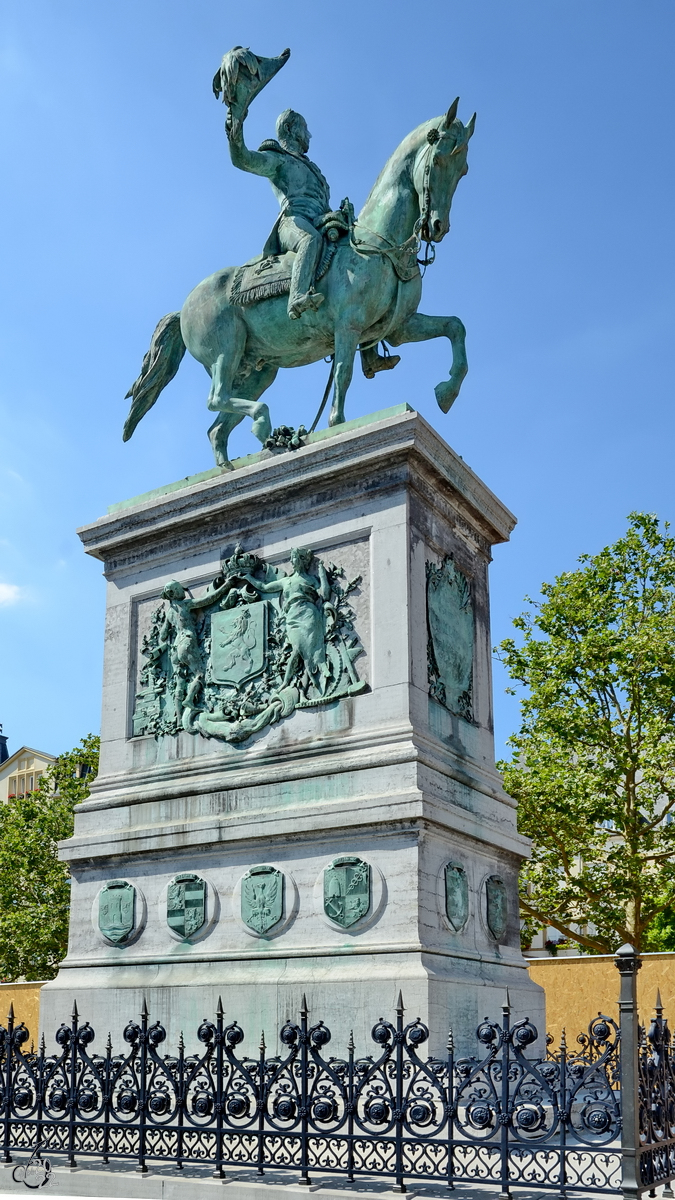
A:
[261,278]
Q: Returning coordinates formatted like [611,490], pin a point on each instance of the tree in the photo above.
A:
[593,768]
[34,885]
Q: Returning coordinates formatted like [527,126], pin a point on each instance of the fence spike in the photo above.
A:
[350,1045]
[303,1006]
[506,1006]
[10,1014]
[145,1011]
[563,1039]
[74,1014]
[451,1041]
[659,1004]
[262,1046]
[108,1044]
[219,1009]
[399,1003]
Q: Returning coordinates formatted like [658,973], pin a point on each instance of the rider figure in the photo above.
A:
[304,196]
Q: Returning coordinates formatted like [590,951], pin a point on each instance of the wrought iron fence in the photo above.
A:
[596,1118]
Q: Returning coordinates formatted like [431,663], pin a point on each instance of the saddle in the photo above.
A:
[270,275]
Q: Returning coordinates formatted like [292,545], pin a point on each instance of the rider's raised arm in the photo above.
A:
[256,161]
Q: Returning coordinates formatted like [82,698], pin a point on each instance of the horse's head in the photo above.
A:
[439,166]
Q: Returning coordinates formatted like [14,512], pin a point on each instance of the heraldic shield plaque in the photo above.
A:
[346,890]
[117,910]
[186,904]
[262,898]
[496,902]
[456,895]
[238,642]
[450,637]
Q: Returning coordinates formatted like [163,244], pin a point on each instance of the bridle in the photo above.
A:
[421,227]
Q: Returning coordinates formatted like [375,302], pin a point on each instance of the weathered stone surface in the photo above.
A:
[390,776]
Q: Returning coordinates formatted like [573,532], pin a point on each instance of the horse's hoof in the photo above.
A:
[336,418]
[446,393]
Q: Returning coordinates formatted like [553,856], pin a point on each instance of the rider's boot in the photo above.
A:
[311,299]
[372,362]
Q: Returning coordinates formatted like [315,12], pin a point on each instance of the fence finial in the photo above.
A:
[399,1003]
[659,1004]
[74,1014]
[10,1014]
[220,1010]
[303,1007]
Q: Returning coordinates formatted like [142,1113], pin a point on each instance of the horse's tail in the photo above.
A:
[159,367]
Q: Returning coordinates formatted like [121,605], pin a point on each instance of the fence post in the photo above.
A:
[6,1156]
[451,1110]
[399,1186]
[142,1061]
[504,1108]
[72,1091]
[304,1179]
[351,1107]
[218,1172]
[628,964]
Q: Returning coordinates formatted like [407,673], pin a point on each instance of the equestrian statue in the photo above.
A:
[327,283]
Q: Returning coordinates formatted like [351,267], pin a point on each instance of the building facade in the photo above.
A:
[20,772]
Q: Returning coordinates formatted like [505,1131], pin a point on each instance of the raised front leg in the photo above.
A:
[420,328]
[346,341]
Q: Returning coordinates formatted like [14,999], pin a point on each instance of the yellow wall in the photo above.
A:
[578,988]
[26,1000]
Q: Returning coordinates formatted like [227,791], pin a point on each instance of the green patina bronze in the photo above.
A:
[258,644]
[496,907]
[262,898]
[117,910]
[326,283]
[186,904]
[456,895]
[346,890]
[450,644]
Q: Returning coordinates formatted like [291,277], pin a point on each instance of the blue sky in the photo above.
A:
[118,197]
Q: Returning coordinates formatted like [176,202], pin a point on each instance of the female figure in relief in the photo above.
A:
[302,600]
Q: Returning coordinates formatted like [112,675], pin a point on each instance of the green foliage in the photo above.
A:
[593,767]
[34,885]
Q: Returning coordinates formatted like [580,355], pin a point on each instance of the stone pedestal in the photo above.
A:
[379,814]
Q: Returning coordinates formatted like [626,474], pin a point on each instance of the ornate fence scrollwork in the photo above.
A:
[561,1123]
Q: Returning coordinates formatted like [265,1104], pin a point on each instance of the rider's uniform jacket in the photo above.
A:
[300,187]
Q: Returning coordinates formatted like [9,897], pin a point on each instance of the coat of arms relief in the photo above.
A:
[259,643]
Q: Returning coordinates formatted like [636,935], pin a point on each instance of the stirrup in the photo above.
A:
[382,363]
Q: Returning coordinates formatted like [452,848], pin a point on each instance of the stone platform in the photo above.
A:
[360,791]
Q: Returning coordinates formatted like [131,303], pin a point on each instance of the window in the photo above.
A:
[30,783]
[22,785]
[12,786]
